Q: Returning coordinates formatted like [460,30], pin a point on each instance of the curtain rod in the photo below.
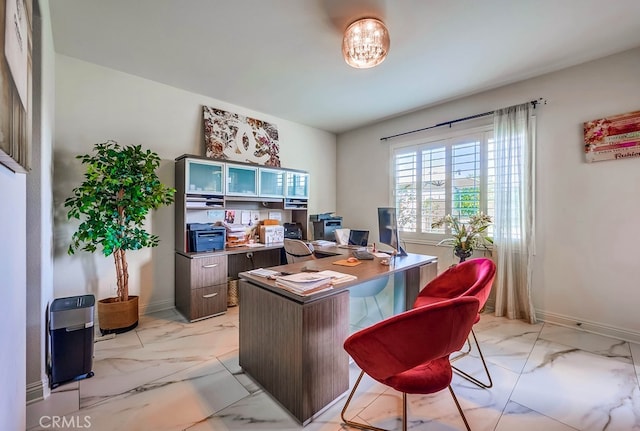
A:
[536,102]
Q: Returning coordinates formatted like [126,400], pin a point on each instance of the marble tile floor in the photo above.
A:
[172,375]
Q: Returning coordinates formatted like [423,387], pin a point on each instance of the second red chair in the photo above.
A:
[470,278]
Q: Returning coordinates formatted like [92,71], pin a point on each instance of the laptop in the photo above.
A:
[357,239]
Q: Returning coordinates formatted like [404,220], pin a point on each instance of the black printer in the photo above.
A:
[292,230]
[206,237]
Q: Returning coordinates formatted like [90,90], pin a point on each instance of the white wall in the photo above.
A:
[94,104]
[587,235]
[39,208]
[13,285]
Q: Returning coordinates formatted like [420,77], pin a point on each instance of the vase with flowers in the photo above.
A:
[465,236]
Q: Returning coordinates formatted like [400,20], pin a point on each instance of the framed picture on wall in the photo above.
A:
[15,84]
[612,138]
[231,136]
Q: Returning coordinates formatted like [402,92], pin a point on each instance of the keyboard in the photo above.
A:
[362,255]
[350,246]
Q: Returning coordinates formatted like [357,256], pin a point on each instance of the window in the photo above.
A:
[450,175]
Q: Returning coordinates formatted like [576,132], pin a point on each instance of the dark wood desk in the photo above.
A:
[292,345]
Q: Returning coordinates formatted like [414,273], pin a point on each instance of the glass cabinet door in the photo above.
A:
[204,177]
[242,180]
[297,185]
[271,183]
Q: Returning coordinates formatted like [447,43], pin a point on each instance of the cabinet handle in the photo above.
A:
[211,295]
[211,265]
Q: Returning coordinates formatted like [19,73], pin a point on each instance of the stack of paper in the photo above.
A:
[236,234]
[323,243]
[261,272]
[304,283]
[337,277]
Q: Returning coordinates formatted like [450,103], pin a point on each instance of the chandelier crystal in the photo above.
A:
[365,43]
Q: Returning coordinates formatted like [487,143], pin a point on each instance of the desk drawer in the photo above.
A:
[208,301]
[208,271]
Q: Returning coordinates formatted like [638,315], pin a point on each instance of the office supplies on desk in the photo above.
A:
[323,243]
[358,237]
[205,237]
[261,272]
[362,254]
[342,236]
[304,282]
[271,234]
[236,233]
[293,230]
[345,262]
[338,277]
[325,225]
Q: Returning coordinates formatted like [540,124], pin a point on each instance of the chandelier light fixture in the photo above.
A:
[365,43]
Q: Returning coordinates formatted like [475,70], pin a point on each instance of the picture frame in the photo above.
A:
[234,137]
[612,138]
[16,85]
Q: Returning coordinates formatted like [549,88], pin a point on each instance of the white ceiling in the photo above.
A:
[283,57]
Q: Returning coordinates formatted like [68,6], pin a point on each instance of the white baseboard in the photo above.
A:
[153,307]
[581,324]
[37,391]
[588,326]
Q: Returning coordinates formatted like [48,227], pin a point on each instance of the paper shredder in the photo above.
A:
[71,338]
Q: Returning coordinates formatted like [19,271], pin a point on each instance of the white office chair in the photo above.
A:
[365,290]
[297,251]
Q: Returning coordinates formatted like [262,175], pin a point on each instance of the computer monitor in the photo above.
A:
[388,228]
[358,237]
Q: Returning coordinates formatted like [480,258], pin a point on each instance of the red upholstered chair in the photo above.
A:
[470,278]
[410,351]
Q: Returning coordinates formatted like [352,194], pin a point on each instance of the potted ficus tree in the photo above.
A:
[119,190]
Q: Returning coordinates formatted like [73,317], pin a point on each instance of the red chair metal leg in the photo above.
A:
[346,406]
[362,426]
[484,364]
[464,418]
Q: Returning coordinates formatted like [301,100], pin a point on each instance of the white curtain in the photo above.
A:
[514,134]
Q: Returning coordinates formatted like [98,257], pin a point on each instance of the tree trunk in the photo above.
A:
[122,270]
[122,274]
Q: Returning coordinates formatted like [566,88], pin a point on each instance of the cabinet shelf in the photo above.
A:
[205,184]
[202,185]
[203,208]
[203,202]
[295,204]
[252,199]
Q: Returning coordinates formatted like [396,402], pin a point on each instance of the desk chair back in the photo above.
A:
[297,250]
[365,290]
